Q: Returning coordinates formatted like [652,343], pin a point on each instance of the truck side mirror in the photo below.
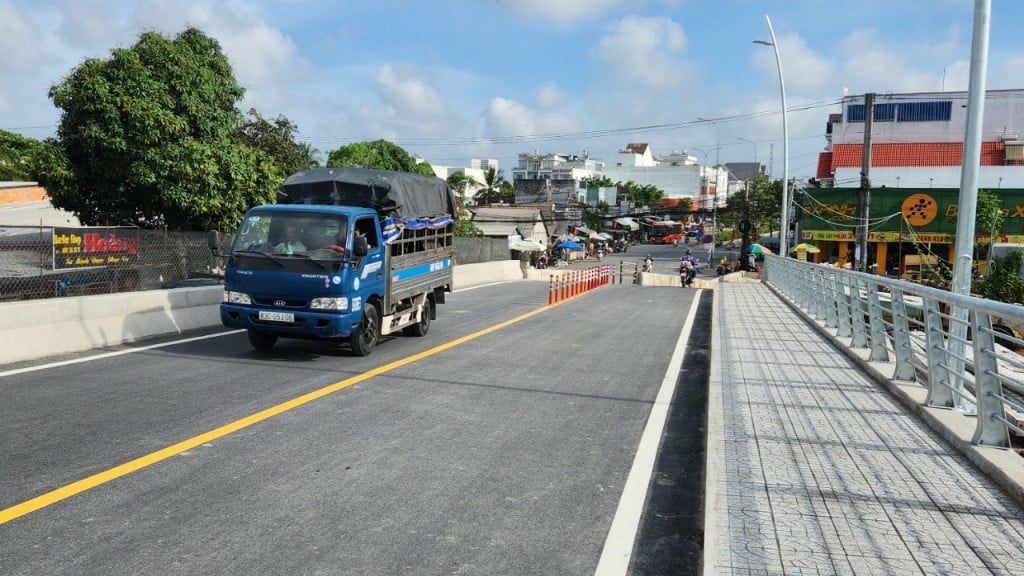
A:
[213,241]
[360,247]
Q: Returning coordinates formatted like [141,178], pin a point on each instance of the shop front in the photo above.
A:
[906,226]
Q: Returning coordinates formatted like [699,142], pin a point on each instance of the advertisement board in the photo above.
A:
[94,246]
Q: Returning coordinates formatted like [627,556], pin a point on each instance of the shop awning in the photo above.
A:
[628,224]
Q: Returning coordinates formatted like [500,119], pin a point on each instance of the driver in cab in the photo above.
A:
[291,243]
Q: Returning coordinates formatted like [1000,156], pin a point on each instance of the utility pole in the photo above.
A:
[864,197]
[745,229]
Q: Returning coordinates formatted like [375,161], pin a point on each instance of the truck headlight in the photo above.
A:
[329,303]
[233,297]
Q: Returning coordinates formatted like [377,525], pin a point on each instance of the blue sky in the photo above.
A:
[452,80]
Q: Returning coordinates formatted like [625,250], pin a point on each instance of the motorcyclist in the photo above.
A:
[689,263]
[724,267]
[686,272]
[648,264]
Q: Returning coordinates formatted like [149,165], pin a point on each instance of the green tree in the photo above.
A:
[765,199]
[989,216]
[460,182]
[494,180]
[594,217]
[685,205]
[1004,283]
[16,155]
[277,139]
[151,135]
[601,181]
[379,155]
[643,195]
[311,154]
[464,225]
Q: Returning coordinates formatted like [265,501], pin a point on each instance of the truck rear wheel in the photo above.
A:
[262,341]
[364,338]
[420,328]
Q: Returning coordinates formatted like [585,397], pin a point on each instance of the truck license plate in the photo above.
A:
[277,316]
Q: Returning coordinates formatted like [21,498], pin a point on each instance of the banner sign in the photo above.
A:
[928,213]
[94,246]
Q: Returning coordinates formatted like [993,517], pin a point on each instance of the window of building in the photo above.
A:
[935,111]
[883,113]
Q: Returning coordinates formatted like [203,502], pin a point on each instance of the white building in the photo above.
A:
[917,141]
[547,177]
[635,154]
[477,168]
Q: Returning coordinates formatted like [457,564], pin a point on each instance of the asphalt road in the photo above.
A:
[502,452]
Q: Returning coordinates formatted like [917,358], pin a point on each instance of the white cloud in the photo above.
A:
[550,96]
[409,105]
[804,69]
[645,53]
[872,65]
[21,50]
[508,117]
[566,10]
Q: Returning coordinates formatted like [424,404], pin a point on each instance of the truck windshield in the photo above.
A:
[293,235]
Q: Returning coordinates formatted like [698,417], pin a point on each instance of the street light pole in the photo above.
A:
[784,225]
[718,147]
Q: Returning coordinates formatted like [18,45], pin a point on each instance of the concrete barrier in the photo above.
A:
[466,275]
[41,328]
[36,329]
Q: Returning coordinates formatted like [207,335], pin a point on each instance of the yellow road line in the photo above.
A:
[64,492]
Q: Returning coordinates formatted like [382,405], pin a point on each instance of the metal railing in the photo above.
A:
[962,349]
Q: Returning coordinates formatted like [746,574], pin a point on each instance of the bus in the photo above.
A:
[661,231]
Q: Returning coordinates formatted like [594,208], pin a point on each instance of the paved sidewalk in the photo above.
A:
[813,468]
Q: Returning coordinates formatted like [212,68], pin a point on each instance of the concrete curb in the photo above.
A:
[1004,467]
[714,447]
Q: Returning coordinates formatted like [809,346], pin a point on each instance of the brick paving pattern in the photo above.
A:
[821,471]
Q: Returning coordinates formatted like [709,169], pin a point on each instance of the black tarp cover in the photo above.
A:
[396,194]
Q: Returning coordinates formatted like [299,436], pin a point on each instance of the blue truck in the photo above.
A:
[346,254]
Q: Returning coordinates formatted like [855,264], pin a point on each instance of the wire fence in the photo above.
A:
[48,262]
[51,262]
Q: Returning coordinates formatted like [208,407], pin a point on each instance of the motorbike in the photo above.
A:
[724,269]
[687,272]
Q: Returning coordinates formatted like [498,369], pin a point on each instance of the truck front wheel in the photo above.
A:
[262,341]
[364,338]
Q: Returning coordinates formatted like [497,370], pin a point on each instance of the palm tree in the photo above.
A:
[493,181]
[311,153]
[460,181]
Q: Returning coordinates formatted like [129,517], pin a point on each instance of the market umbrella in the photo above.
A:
[806,247]
[569,245]
[528,245]
[759,250]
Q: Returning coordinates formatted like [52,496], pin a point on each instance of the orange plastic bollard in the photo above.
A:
[551,289]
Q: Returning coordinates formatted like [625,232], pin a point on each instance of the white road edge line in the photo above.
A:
[113,354]
[618,546]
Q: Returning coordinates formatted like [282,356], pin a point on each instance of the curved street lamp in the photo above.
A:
[752,143]
[784,225]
